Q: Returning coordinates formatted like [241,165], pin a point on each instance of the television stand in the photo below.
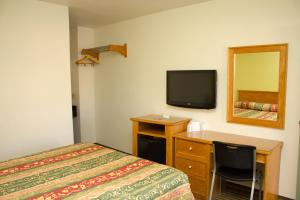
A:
[156,126]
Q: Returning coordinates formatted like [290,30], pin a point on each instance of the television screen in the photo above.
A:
[192,88]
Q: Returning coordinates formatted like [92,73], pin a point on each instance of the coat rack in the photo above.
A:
[91,56]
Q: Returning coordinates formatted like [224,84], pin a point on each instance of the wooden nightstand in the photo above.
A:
[157,126]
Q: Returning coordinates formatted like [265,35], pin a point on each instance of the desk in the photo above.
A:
[193,153]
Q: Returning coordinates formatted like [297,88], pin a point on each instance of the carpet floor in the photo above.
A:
[235,193]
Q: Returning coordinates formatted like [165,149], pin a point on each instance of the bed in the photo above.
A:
[90,171]
[261,105]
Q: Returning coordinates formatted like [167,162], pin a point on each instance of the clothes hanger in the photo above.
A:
[88,59]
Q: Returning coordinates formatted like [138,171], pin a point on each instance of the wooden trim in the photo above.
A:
[158,119]
[135,129]
[230,75]
[259,48]
[283,49]
[272,171]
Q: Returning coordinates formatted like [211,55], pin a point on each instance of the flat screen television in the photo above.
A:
[192,88]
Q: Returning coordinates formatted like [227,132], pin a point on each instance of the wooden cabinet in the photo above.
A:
[193,159]
[157,126]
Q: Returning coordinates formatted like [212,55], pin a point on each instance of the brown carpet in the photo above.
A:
[235,192]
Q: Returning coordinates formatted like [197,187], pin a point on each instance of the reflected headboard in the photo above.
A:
[258,96]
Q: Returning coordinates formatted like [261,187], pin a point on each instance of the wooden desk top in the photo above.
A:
[158,119]
[263,146]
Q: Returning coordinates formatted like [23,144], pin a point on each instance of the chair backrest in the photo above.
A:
[234,155]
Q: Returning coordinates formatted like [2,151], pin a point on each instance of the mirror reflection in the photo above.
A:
[256,85]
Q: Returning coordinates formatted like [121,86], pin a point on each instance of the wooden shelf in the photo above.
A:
[91,55]
[154,133]
[121,49]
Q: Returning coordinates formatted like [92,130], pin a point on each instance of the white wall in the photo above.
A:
[195,37]
[34,77]
[83,85]
[86,88]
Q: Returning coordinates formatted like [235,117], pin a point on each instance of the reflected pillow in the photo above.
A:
[274,107]
[238,104]
[256,106]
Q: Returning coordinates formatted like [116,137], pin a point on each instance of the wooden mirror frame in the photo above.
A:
[282,49]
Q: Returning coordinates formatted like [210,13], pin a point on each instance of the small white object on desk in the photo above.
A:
[164,116]
[194,126]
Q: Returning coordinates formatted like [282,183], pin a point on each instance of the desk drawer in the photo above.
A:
[192,148]
[191,167]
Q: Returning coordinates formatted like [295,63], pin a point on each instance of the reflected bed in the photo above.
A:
[255,114]
[256,105]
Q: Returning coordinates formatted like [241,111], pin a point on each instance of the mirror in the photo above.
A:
[256,85]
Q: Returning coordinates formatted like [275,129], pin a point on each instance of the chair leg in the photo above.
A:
[212,186]
[252,189]
[260,185]
[220,185]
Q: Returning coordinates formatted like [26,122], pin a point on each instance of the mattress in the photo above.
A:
[89,171]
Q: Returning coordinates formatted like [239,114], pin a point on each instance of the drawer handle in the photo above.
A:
[190,148]
[190,167]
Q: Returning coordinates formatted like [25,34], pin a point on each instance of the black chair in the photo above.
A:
[234,162]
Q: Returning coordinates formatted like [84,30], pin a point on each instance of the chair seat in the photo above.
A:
[235,174]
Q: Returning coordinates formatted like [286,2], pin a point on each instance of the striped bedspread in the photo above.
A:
[255,114]
[89,171]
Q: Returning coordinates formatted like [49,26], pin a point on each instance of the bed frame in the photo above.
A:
[258,96]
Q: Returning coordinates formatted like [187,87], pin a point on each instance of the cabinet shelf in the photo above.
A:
[153,132]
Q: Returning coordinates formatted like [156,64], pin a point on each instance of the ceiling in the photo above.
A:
[94,13]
